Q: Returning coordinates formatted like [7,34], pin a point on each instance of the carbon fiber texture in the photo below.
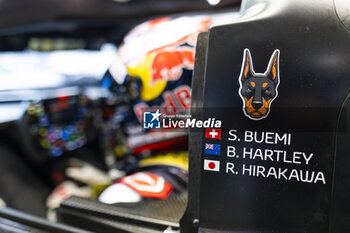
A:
[152,215]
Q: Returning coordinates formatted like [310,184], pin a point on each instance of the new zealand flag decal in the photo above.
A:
[212,149]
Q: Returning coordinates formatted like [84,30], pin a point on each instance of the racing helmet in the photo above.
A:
[153,72]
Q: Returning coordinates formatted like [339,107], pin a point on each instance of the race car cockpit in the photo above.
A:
[279,85]
[267,127]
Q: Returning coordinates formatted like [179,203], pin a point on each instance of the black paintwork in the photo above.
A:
[314,82]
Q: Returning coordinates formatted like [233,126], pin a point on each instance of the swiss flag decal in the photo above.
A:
[213,133]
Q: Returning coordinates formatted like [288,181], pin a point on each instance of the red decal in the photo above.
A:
[213,133]
[169,106]
[211,165]
[183,95]
[167,65]
[148,185]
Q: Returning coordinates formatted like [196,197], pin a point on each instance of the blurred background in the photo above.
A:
[75,77]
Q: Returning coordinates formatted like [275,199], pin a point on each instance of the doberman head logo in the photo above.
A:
[258,90]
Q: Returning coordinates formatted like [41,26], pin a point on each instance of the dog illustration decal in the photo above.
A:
[258,90]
